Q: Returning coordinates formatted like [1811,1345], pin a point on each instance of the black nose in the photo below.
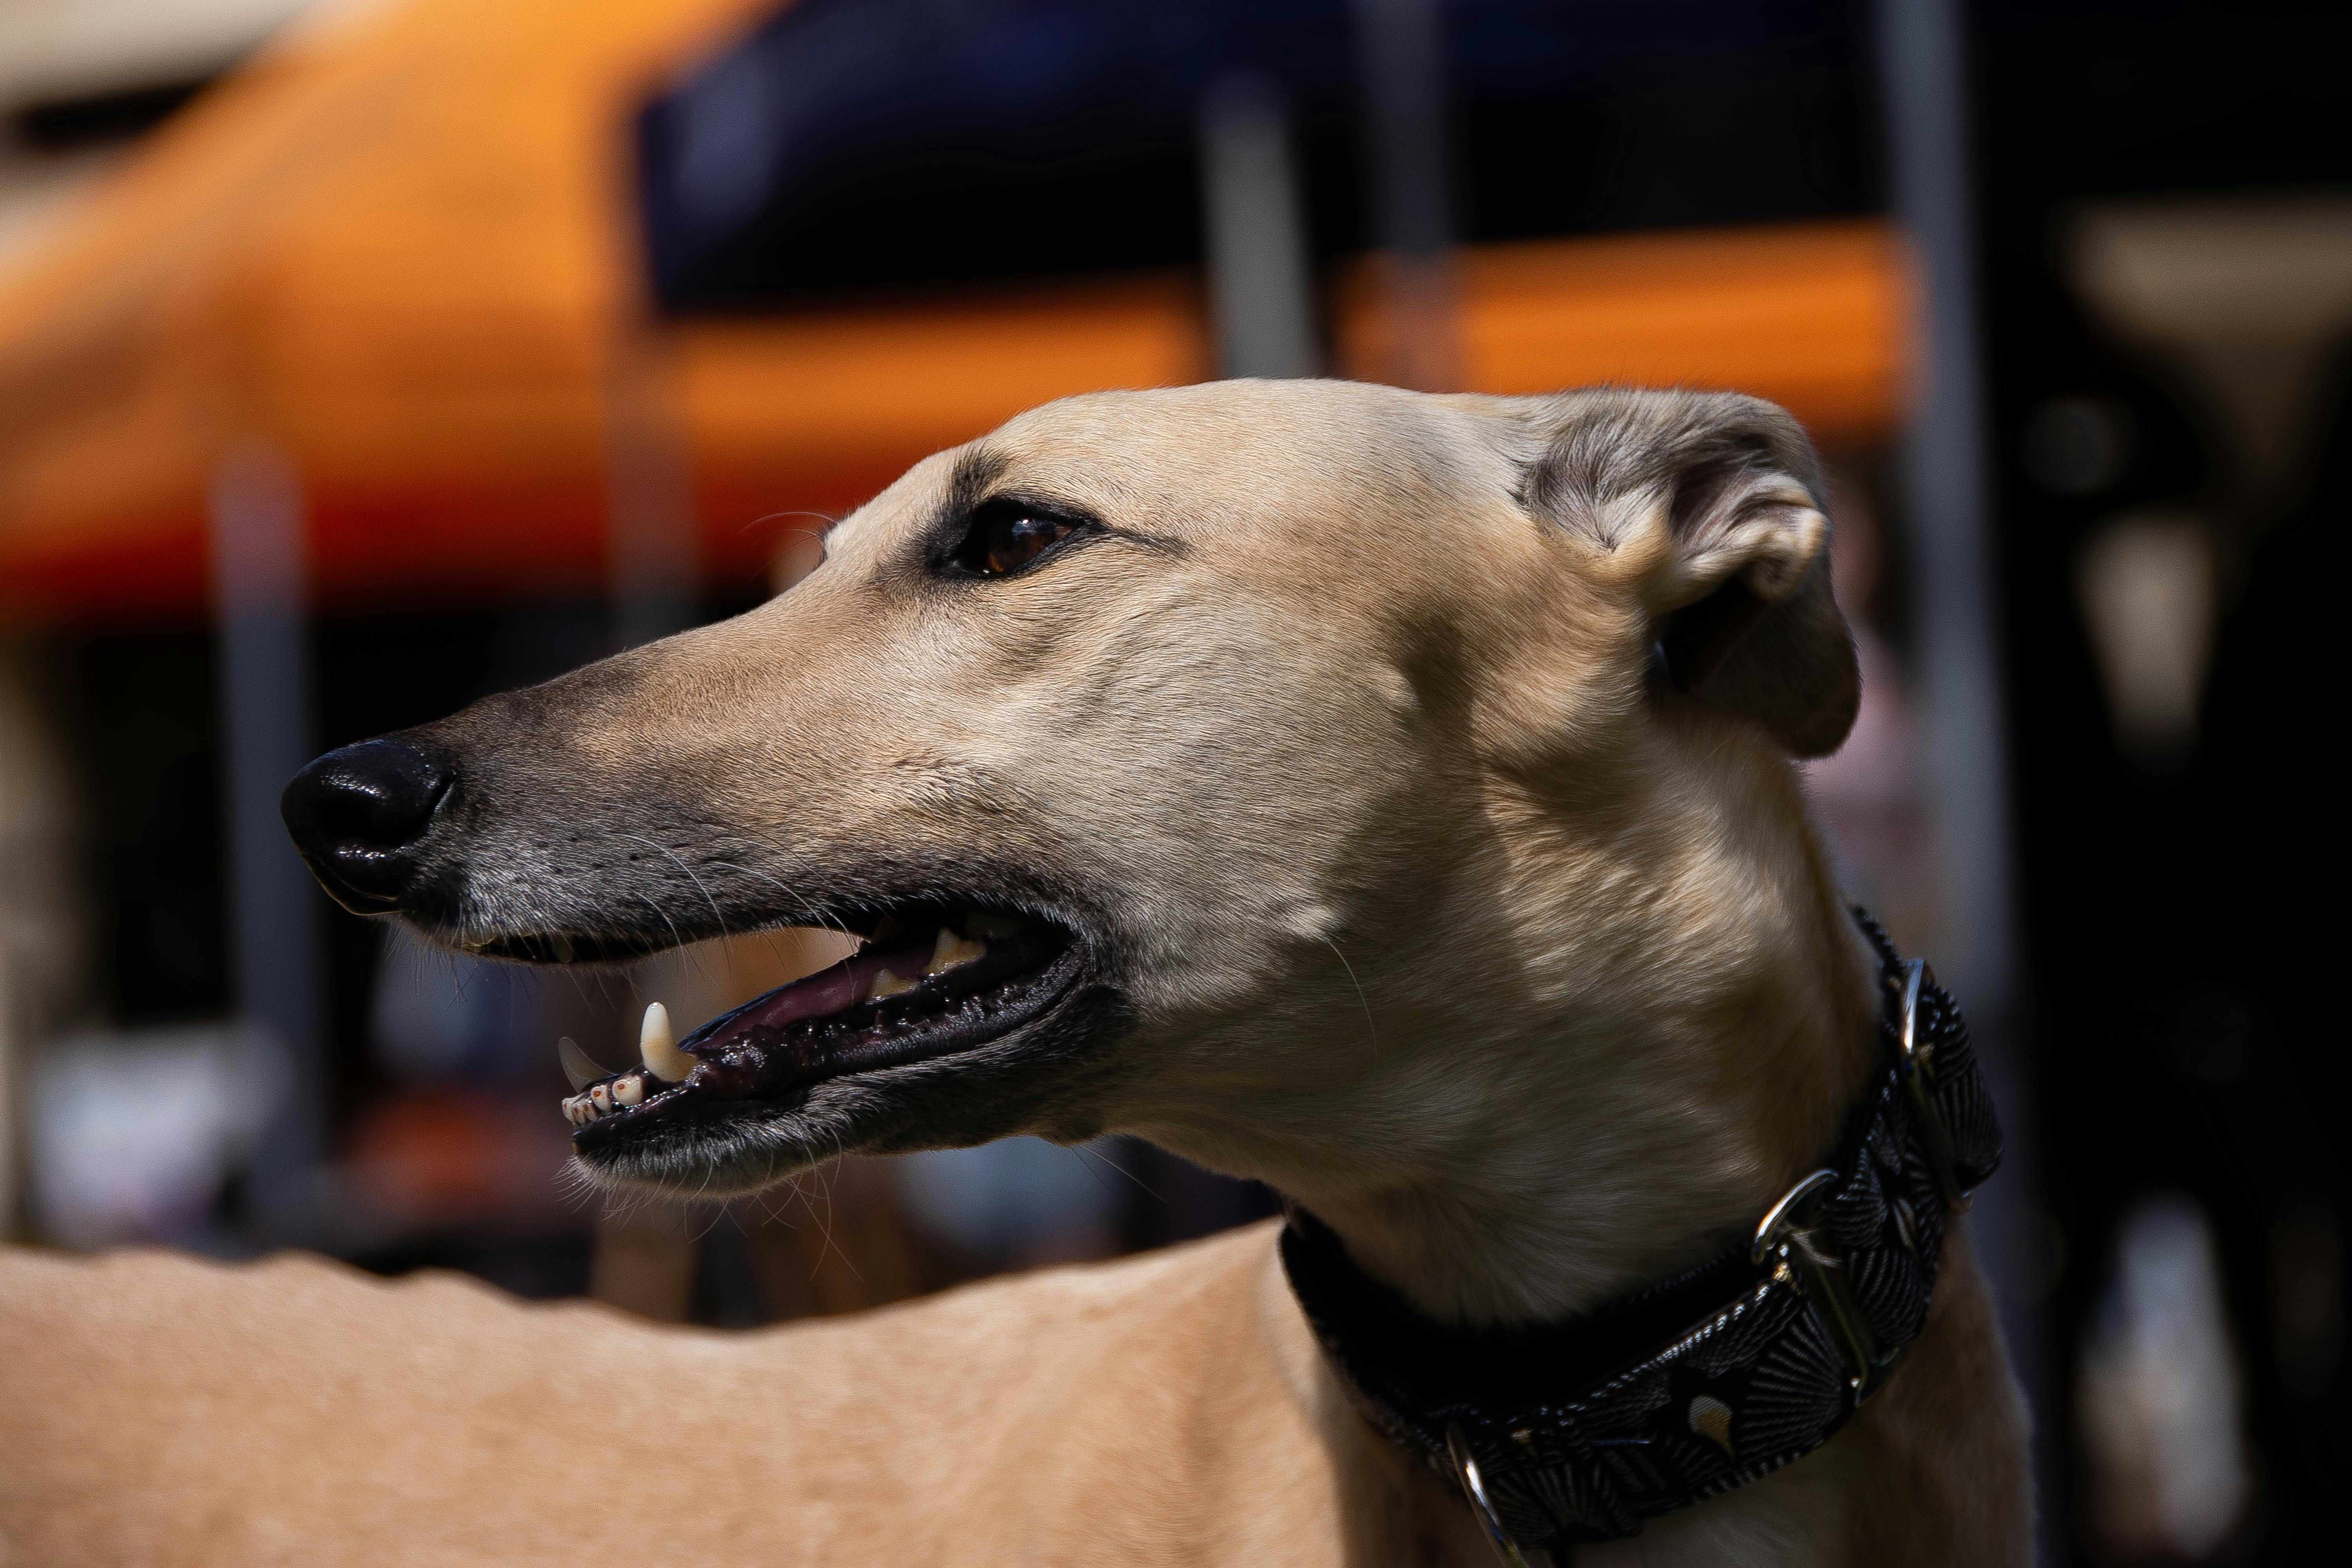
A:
[358,815]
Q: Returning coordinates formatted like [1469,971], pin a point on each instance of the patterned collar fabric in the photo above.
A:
[1580,1430]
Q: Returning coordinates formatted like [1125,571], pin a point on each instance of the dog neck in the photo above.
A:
[1664,1070]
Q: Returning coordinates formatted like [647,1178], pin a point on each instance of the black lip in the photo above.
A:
[747,1066]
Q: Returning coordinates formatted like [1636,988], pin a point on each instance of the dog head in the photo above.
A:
[1191,761]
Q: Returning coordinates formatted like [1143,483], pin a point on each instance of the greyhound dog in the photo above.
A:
[1386,795]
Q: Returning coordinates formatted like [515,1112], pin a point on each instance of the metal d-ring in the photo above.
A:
[1782,1213]
[1474,1487]
[1918,1077]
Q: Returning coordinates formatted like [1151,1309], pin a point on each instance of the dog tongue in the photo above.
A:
[832,990]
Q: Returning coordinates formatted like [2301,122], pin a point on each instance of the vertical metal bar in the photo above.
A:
[654,567]
[1923,83]
[12,1065]
[1259,285]
[1402,58]
[261,580]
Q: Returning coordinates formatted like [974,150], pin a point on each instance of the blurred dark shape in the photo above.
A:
[2170,916]
[2076,446]
[2307,1291]
[58,125]
[136,710]
[854,145]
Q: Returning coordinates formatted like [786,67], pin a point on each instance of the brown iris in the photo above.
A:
[1004,540]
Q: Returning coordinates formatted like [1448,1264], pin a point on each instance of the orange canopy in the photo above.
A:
[400,248]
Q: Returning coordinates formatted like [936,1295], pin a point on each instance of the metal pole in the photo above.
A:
[1401,54]
[1921,66]
[1259,282]
[260,577]
[1923,81]
[656,566]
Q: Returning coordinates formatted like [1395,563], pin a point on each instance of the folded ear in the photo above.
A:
[1713,500]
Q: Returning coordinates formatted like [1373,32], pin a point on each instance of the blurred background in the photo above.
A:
[360,358]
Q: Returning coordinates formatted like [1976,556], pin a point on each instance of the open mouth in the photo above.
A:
[930,981]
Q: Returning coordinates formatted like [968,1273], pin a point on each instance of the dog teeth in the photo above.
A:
[886,983]
[659,1049]
[952,951]
[606,1098]
[578,1065]
[604,1093]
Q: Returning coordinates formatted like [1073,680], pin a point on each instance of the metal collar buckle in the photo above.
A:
[1798,1262]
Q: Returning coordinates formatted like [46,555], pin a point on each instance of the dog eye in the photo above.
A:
[1003,539]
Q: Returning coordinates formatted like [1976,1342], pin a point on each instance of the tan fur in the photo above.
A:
[1424,899]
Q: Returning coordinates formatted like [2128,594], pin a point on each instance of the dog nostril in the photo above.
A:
[354,813]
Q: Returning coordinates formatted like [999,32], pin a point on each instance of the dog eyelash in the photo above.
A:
[1004,538]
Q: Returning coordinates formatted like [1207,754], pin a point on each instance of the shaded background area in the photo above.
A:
[357,362]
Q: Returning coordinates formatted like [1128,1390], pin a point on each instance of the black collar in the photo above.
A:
[1580,1430]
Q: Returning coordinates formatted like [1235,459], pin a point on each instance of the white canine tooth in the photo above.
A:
[886,983]
[983,923]
[951,950]
[578,1065]
[662,1057]
[629,1091]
